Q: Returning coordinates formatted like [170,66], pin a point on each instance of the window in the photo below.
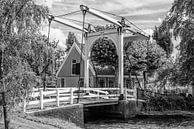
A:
[75,69]
[111,82]
[101,82]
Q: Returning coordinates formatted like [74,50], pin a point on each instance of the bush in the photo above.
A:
[161,103]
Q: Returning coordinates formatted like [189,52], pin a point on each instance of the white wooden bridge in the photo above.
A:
[56,97]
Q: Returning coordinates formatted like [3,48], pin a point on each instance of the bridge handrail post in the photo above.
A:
[135,92]
[71,96]
[41,99]
[57,98]
[98,95]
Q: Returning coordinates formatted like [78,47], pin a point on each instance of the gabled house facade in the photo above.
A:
[69,72]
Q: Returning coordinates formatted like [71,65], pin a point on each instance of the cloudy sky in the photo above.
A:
[144,13]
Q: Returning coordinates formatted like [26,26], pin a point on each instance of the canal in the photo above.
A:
[176,122]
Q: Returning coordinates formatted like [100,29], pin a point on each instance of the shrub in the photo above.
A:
[161,103]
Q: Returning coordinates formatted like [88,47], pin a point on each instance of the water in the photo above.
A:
[142,123]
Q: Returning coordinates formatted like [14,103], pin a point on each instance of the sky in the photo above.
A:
[146,14]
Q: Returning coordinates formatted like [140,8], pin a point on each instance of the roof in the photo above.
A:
[81,45]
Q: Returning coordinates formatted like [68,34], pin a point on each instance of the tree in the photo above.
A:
[71,38]
[103,54]
[163,39]
[137,56]
[19,33]
[180,19]
[143,56]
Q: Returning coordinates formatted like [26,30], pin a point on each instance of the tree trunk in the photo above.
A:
[144,79]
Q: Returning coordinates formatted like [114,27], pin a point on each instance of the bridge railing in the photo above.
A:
[58,96]
[50,97]
[104,93]
[130,94]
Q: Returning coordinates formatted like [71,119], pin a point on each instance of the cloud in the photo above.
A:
[159,20]
[48,3]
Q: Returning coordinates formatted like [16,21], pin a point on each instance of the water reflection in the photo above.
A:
[142,123]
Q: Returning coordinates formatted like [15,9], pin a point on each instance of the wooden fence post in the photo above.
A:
[71,96]
[24,105]
[98,94]
[136,95]
[41,99]
[57,91]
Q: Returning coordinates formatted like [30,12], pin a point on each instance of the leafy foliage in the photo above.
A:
[163,39]
[107,27]
[180,19]
[23,47]
[137,57]
[104,53]
[144,55]
[162,103]
[71,38]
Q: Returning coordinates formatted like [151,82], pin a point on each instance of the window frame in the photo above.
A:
[73,63]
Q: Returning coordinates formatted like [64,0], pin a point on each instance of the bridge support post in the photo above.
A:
[121,66]
[125,95]
[86,72]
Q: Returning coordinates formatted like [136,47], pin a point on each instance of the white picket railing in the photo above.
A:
[57,96]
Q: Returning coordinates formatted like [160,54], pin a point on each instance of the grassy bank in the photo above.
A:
[21,121]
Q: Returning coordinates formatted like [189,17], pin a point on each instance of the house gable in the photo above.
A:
[66,67]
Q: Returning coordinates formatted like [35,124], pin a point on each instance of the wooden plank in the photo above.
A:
[49,100]
[64,99]
[35,94]
[65,90]
[49,92]
[34,102]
